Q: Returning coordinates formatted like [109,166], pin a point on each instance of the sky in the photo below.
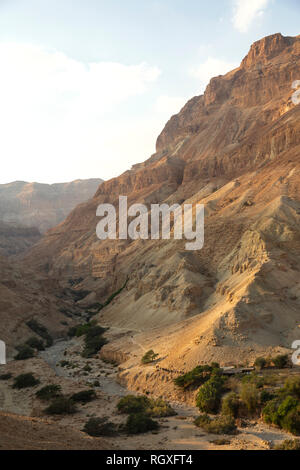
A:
[86,86]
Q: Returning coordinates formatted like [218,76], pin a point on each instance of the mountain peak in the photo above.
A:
[267,48]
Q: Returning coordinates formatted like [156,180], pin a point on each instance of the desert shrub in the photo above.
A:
[82,329]
[92,346]
[35,343]
[209,395]
[5,376]
[260,363]
[289,444]
[98,427]
[156,408]
[48,392]
[133,404]
[250,397]
[281,361]
[60,406]
[25,352]
[84,397]
[159,409]
[140,423]
[230,405]
[292,386]
[41,331]
[291,422]
[266,396]
[284,412]
[196,377]
[218,425]
[254,379]
[149,357]
[25,381]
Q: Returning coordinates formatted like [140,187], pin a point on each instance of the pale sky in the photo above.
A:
[86,86]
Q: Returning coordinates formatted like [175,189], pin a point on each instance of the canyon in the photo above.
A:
[235,150]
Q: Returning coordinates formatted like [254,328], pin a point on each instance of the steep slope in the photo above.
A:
[236,150]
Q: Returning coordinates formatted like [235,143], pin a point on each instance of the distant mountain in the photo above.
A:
[27,210]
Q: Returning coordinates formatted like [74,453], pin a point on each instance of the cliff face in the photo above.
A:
[236,150]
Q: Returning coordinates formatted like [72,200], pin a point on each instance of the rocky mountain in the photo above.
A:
[29,209]
[236,150]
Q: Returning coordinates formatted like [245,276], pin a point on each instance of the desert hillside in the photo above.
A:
[236,150]
[30,209]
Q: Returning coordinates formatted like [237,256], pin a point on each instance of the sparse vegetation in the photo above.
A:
[289,444]
[5,376]
[156,408]
[250,396]
[41,331]
[149,357]
[209,395]
[25,352]
[98,427]
[196,377]
[49,392]
[281,361]
[140,423]
[35,343]
[260,363]
[25,381]
[84,397]
[218,425]
[230,405]
[60,406]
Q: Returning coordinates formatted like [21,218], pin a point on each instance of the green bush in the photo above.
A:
[25,352]
[156,408]
[281,361]
[98,427]
[266,396]
[292,386]
[209,395]
[291,422]
[218,425]
[250,397]
[133,404]
[41,331]
[149,357]
[140,423]
[196,377]
[92,346]
[285,413]
[289,444]
[60,406]
[49,392]
[5,376]
[230,405]
[25,381]
[84,397]
[35,343]
[260,363]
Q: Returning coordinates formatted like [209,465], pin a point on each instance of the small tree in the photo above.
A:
[209,395]
[250,396]
[98,427]
[84,397]
[230,405]
[149,357]
[281,361]
[260,363]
